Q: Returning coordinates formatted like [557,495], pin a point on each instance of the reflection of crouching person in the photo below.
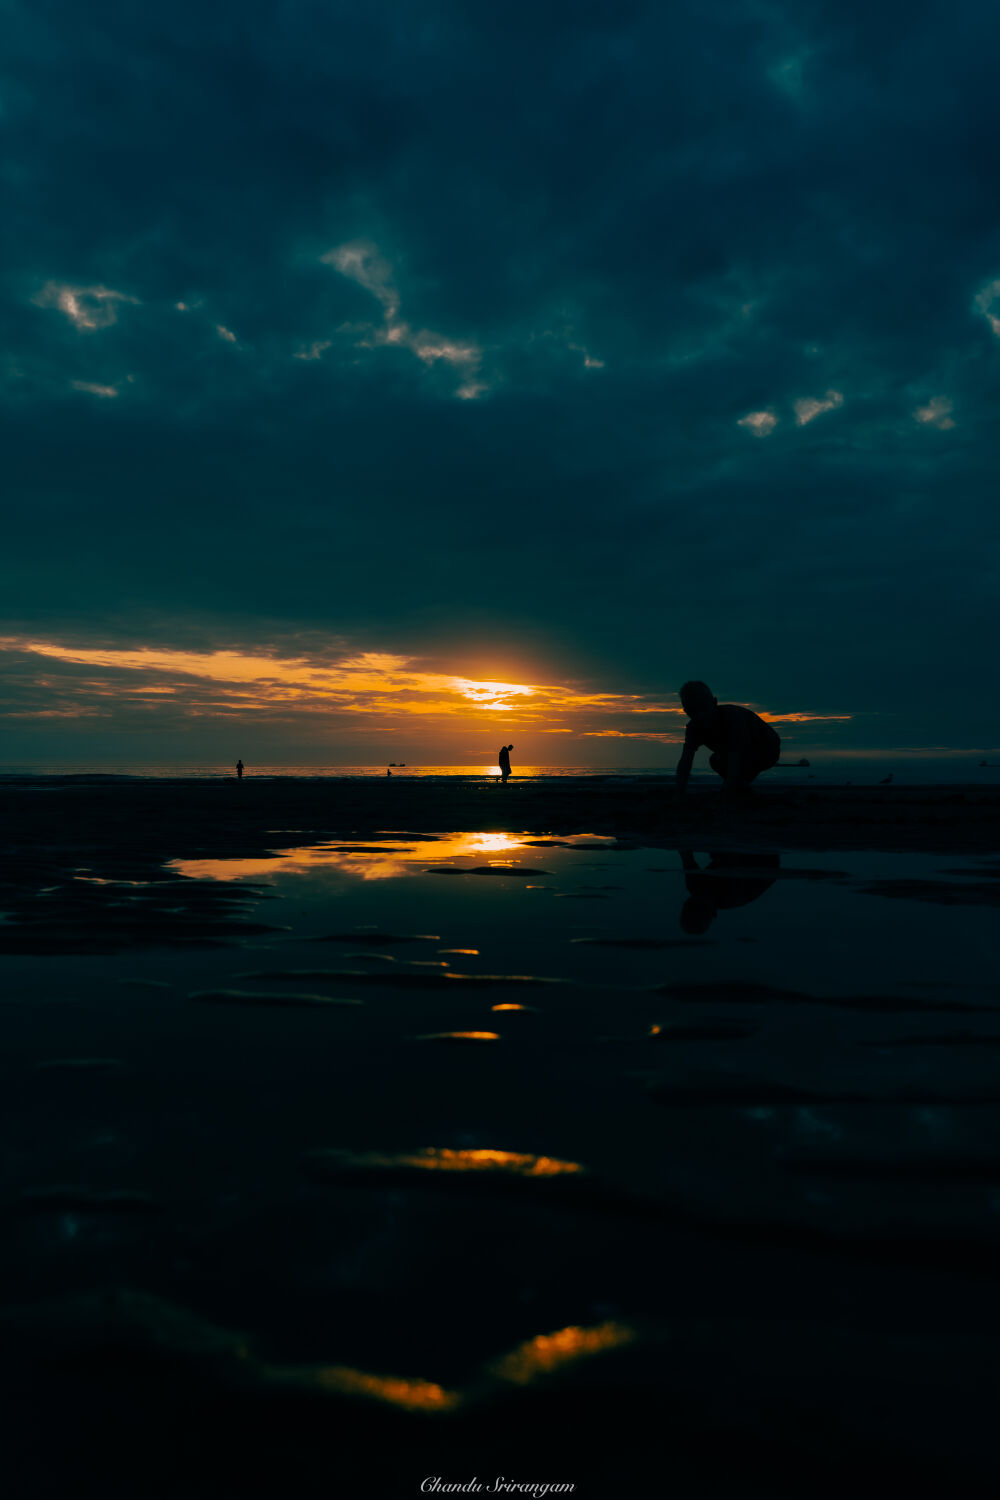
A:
[742,745]
[727,881]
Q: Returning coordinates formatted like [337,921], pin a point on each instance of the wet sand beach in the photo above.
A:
[362,1133]
[171,817]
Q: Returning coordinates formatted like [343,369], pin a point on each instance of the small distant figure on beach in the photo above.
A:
[504,759]
[742,745]
[388,772]
[727,881]
[239,770]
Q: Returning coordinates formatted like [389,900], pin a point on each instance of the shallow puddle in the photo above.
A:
[812,917]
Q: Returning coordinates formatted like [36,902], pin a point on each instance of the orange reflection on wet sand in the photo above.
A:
[391,857]
[522,1165]
[460,1036]
[410,1395]
[444,1159]
[551,1351]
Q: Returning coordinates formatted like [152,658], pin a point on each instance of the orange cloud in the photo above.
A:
[804,718]
[363,692]
[625,734]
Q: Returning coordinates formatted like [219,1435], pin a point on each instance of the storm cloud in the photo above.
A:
[601,346]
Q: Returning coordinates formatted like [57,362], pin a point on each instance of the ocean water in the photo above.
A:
[905,768]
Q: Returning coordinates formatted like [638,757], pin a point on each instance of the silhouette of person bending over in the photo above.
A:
[239,770]
[728,880]
[742,745]
[504,759]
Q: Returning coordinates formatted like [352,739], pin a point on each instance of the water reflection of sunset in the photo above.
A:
[538,1357]
[544,1355]
[390,857]
[410,1395]
[446,1160]
[459,1036]
[551,1351]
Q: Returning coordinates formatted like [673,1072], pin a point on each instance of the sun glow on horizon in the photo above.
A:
[376,692]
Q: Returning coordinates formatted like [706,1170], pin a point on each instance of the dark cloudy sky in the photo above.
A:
[390,347]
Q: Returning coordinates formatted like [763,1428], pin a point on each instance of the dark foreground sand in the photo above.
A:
[230,1267]
[168,819]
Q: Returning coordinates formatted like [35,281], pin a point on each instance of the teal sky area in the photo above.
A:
[391,380]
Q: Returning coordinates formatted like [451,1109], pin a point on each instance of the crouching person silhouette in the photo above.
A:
[742,745]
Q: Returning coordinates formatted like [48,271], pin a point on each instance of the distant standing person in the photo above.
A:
[505,761]
[239,770]
[742,745]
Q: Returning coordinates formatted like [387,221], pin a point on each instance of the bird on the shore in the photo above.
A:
[886,780]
